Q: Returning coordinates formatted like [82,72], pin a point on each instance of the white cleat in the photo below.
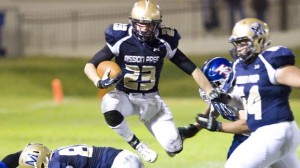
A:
[147,154]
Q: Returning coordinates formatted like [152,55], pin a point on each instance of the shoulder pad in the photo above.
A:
[169,35]
[279,56]
[115,32]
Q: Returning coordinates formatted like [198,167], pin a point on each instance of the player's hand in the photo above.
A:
[219,96]
[106,81]
[208,122]
[204,96]
[188,131]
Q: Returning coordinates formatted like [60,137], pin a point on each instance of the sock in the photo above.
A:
[134,142]
[124,131]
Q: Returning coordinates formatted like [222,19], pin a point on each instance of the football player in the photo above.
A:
[37,155]
[264,78]
[219,72]
[140,48]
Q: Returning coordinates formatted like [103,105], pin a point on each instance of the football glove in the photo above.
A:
[219,96]
[208,122]
[106,81]
[204,96]
[188,131]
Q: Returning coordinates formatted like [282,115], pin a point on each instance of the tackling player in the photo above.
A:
[140,48]
[264,77]
[219,72]
[37,155]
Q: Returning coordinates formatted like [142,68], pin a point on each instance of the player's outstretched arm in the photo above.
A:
[202,81]
[288,75]
[190,130]
[212,124]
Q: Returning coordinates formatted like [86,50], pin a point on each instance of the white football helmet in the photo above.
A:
[34,155]
[147,14]
[250,36]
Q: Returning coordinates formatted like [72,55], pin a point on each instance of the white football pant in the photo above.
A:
[152,111]
[272,145]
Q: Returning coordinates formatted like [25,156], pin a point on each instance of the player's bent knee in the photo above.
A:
[174,146]
[113,118]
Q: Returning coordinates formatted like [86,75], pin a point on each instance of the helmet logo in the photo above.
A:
[257,29]
[31,159]
[223,70]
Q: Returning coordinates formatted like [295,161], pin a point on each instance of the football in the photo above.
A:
[103,66]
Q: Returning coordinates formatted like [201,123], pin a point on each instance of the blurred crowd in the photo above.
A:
[236,11]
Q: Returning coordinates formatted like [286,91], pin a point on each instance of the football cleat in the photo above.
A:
[147,154]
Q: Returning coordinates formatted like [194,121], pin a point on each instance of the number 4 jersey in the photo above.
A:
[266,101]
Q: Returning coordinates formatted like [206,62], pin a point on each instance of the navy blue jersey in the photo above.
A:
[266,101]
[83,156]
[141,63]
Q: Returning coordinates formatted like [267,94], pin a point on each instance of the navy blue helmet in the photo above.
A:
[217,70]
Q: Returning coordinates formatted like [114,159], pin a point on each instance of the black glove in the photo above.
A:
[219,96]
[106,81]
[208,122]
[187,131]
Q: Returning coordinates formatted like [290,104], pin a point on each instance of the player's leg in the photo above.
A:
[237,140]
[115,107]
[127,159]
[261,149]
[112,107]
[164,129]
[290,158]
[289,161]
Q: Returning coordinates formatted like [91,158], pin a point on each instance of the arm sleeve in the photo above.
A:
[183,62]
[11,160]
[2,165]
[103,55]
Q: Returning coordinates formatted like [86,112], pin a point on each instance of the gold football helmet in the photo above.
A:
[251,34]
[145,18]
[34,155]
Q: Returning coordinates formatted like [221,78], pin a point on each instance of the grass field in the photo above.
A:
[29,114]
[78,120]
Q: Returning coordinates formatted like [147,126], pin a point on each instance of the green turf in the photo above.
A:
[78,120]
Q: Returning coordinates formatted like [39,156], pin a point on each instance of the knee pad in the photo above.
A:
[113,118]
